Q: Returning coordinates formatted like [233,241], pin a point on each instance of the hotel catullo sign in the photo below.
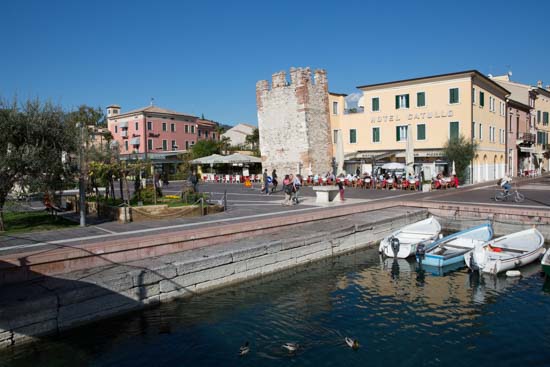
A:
[413,116]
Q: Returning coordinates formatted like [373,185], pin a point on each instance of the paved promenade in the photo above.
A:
[248,205]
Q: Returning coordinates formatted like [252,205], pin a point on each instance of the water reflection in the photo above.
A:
[401,314]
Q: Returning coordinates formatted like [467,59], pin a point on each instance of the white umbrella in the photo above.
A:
[339,152]
[211,159]
[454,170]
[409,152]
[393,165]
[237,158]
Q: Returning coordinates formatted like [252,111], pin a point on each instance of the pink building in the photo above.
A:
[521,138]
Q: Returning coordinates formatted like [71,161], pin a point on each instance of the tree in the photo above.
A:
[204,148]
[461,151]
[253,139]
[32,138]
[223,144]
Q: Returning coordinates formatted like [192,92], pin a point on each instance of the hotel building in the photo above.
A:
[157,134]
[433,109]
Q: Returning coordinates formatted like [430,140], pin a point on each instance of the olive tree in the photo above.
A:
[461,151]
[33,136]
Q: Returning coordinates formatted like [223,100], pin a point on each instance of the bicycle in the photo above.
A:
[515,195]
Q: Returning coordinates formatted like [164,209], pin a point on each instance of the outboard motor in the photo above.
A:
[420,252]
[395,246]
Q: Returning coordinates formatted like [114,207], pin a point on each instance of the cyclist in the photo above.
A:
[505,184]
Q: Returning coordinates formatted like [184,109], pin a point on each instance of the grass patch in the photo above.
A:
[18,222]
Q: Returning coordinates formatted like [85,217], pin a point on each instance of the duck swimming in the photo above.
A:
[244,349]
[352,343]
[291,347]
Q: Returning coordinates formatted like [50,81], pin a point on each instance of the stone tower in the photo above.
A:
[293,121]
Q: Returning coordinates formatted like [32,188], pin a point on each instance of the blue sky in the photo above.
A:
[206,56]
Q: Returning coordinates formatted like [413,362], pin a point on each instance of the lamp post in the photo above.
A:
[81,181]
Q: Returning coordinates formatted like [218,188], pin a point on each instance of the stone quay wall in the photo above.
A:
[48,305]
[293,121]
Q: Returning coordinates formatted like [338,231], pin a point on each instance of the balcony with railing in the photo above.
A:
[527,137]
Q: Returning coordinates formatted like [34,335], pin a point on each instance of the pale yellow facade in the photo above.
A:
[542,125]
[432,109]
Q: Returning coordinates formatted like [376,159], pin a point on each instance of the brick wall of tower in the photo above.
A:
[293,122]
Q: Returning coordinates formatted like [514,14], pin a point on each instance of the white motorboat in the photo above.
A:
[507,252]
[402,243]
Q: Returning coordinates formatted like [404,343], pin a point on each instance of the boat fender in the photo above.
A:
[395,246]
[513,273]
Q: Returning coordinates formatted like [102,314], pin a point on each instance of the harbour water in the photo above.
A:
[400,314]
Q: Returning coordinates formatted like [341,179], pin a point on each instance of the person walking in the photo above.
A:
[274,181]
[194,181]
[296,185]
[287,188]
[266,184]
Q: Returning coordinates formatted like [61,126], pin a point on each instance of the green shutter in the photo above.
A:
[420,99]
[454,130]
[397,135]
[545,118]
[407,100]
[375,104]
[396,102]
[376,134]
[481,99]
[421,132]
[453,95]
[352,136]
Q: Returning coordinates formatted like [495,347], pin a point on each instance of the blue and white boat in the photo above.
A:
[451,249]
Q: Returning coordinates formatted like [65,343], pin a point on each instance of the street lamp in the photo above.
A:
[81,181]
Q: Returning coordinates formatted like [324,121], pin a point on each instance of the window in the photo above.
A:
[173,128]
[481,99]
[502,109]
[137,126]
[164,145]
[473,96]
[206,133]
[186,145]
[491,134]
[193,128]
[401,133]
[164,126]
[420,99]
[453,130]
[545,118]
[453,95]
[116,129]
[421,132]
[501,136]
[480,132]
[375,104]
[214,136]
[335,108]
[150,144]
[402,101]
[335,136]
[473,130]
[174,145]
[199,132]
[126,145]
[186,128]
[192,142]
[149,125]
[491,104]
[376,135]
[538,118]
[352,136]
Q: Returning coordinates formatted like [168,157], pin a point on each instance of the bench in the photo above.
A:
[325,194]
